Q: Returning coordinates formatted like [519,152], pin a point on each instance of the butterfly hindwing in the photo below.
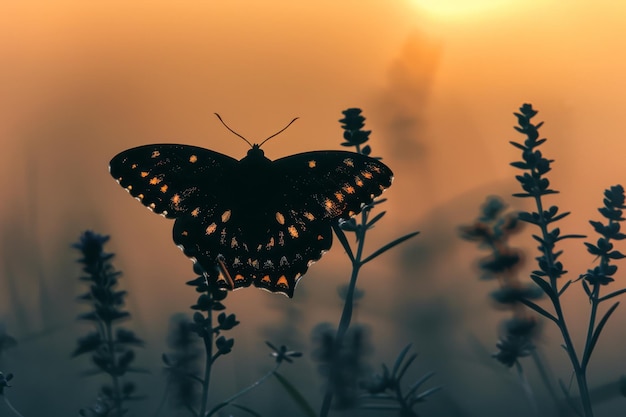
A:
[275,262]
[261,222]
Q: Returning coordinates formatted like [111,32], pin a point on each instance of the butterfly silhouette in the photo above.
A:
[254,220]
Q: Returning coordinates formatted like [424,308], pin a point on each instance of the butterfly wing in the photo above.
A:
[262,222]
[172,180]
[333,185]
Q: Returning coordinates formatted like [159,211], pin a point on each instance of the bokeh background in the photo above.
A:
[438,81]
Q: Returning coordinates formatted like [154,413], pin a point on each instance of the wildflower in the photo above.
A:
[282,354]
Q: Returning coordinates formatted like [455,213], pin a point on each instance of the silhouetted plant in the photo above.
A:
[383,390]
[547,277]
[182,363]
[332,348]
[109,345]
[492,231]
[4,383]
[6,340]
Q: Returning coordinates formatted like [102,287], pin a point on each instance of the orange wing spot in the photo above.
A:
[330,206]
[349,162]
[195,212]
[211,228]
[156,154]
[134,166]
[184,233]
[152,206]
[280,218]
[164,188]
[298,275]
[266,279]
[367,174]
[282,282]
[312,163]
[374,168]
[293,231]
[130,187]
[358,181]
[221,278]
[155,180]
[270,244]
[225,216]
[349,189]
[140,196]
[309,216]
[193,159]
[351,213]
[176,199]
[144,174]
[339,196]
[320,237]
[233,243]
[239,277]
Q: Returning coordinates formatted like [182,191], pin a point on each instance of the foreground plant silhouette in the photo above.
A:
[110,345]
[336,348]
[548,277]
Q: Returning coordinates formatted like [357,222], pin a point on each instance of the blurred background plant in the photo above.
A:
[110,345]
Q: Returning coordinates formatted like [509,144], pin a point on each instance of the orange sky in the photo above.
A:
[81,81]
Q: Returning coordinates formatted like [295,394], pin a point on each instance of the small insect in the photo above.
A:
[254,220]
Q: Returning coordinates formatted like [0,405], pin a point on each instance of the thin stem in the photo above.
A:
[117,398]
[10,406]
[348,306]
[243,391]
[526,387]
[208,347]
[580,373]
[545,378]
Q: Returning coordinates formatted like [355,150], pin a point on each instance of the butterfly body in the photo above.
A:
[261,221]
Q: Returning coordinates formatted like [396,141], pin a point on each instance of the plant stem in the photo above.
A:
[581,377]
[348,306]
[243,391]
[208,347]
[10,406]
[117,397]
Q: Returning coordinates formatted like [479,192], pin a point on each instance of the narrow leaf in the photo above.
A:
[596,335]
[418,384]
[566,286]
[546,288]
[611,295]
[399,360]
[389,246]
[375,219]
[538,309]
[344,242]
[299,399]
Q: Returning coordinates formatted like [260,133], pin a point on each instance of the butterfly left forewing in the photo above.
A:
[170,179]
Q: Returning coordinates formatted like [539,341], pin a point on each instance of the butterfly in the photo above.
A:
[255,220]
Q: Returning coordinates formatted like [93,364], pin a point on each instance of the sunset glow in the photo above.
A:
[462,8]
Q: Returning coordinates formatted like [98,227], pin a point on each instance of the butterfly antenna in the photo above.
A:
[232,131]
[279,132]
